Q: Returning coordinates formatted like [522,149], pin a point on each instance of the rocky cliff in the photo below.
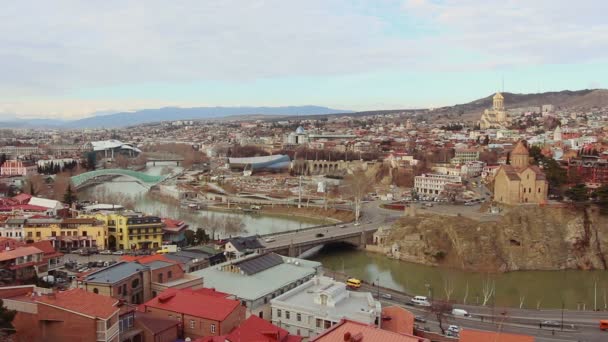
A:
[526,238]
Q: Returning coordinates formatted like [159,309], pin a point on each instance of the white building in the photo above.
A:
[472,169]
[320,303]
[464,155]
[432,185]
[256,279]
[17,168]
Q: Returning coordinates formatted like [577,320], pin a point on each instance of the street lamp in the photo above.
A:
[378,285]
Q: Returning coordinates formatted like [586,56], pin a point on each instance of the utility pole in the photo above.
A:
[595,295]
[562,315]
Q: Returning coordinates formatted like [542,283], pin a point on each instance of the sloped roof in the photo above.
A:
[520,149]
[195,303]
[468,335]
[19,252]
[367,333]
[153,323]
[258,329]
[259,263]
[81,301]
[246,243]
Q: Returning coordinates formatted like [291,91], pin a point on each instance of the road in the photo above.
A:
[578,325]
[372,217]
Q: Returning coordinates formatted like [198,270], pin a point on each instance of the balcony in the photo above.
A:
[106,334]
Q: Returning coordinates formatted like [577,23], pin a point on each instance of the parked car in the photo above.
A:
[270,239]
[387,296]
[106,252]
[420,301]
[419,319]
[119,253]
[320,235]
[341,226]
[454,329]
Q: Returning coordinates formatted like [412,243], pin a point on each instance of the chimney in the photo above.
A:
[347,336]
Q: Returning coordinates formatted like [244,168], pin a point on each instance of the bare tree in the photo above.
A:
[34,185]
[355,187]
[522,299]
[441,309]
[488,289]
[448,287]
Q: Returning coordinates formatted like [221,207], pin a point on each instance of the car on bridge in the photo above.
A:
[319,235]
[270,239]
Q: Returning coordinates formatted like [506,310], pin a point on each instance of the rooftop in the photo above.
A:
[81,301]
[349,331]
[258,329]
[114,273]
[358,306]
[468,335]
[258,284]
[216,306]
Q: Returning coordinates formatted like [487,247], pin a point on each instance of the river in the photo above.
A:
[133,192]
[543,288]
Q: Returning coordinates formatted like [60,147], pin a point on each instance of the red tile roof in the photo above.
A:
[340,331]
[19,252]
[259,330]
[46,247]
[192,302]
[468,335]
[401,320]
[81,301]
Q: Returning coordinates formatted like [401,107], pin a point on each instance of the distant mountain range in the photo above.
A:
[583,99]
[124,119]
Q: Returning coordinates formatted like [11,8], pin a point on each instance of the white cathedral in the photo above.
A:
[497,116]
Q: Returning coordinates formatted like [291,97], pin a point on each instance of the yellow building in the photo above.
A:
[496,117]
[520,182]
[69,233]
[132,230]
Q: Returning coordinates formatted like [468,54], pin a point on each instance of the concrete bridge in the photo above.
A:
[154,157]
[88,178]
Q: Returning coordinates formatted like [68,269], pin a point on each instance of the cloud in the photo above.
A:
[52,50]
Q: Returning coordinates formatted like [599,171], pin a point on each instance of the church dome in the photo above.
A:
[300,130]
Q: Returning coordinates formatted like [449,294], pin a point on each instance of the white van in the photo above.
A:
[420,300]
[460,313]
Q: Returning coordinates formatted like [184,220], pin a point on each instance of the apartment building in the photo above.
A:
[69,233]
[432,185]
[266,277]
[202,312]
[320,303]
[17,168]
[74,315]
[131,230]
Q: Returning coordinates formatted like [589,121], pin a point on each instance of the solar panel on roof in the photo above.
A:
[259,264]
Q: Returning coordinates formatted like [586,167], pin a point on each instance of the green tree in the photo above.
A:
[91,160]
[201,236]
[578,193]
[556,175]
[69,197]
[6,319]
[536,153]
[189,234]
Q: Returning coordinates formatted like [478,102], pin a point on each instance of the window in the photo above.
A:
[84,233]
[52,234]
[160,277]
[261,315]
[279,313]
[120,290]
[169,274]
[95,291]
[192,324]
[539,190]
[29,234]
[298,318]
[287,314]
[124,289]
[37,234]
[319,323]
[135,283]
[213,328]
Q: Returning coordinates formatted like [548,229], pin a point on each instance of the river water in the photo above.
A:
[131,191]
[543,288]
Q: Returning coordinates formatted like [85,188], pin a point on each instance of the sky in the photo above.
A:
[69,59]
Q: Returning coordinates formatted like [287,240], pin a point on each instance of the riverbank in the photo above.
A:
[577,289]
